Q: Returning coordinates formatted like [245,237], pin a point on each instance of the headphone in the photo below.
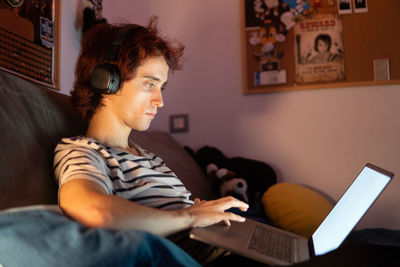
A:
[106,77]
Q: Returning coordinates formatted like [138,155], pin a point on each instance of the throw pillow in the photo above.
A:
[295,208]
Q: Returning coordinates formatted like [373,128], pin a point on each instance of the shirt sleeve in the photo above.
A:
[74,161]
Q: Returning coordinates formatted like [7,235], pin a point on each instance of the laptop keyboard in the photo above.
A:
[273,243]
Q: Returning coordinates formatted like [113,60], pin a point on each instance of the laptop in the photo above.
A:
[271,245]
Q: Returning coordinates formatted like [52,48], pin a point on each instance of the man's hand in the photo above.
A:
[205,213]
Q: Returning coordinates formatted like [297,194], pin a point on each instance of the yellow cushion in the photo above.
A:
[295,208]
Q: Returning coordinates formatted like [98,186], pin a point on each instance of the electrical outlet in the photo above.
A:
[179,123]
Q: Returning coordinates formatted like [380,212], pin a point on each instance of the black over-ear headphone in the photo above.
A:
[106,77]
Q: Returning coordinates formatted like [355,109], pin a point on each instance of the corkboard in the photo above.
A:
[367,36]
[29,45]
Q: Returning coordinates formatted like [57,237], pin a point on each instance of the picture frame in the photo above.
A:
[29,41]
[360,6]
[344,7]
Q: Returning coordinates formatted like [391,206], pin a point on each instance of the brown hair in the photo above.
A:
[325,38]
[139,43]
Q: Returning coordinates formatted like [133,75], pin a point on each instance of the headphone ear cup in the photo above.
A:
[106,78]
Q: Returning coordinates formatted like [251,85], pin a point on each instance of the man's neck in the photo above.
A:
[107,129]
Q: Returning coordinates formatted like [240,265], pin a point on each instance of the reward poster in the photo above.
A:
[319,49]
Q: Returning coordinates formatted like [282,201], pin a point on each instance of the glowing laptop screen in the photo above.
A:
[349,209]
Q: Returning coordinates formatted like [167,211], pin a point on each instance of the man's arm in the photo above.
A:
[87,202]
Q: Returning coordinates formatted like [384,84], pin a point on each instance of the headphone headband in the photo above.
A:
[112,53]
[106,77]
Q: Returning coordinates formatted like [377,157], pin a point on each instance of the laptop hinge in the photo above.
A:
[311,249]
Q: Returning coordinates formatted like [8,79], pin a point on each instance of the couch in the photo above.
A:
[32,120]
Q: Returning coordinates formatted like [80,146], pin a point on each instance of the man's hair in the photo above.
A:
[325,38]
[139,44]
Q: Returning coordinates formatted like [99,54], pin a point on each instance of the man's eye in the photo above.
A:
[150,85]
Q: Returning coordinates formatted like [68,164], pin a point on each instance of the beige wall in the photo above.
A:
[320,138]
[115,11]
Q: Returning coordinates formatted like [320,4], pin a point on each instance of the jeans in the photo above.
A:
[45,238]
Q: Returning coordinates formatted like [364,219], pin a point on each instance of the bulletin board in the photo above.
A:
[29,44]
[366,37]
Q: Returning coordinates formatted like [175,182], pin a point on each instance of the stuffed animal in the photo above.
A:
[259,176]
[227,182]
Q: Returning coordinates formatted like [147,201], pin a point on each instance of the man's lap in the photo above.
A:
[45,238]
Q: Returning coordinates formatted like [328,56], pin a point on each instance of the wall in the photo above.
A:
[320,138]
[115,11]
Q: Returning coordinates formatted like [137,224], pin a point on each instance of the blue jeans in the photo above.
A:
[45,238]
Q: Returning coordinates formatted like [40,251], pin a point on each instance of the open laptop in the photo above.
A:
[271,245]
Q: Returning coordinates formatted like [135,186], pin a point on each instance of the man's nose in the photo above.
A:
[157,99]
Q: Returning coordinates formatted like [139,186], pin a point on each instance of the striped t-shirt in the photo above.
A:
[144,179]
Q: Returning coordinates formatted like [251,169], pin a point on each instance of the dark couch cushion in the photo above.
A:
[32,121]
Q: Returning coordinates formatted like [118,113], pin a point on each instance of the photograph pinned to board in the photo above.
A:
[360,6]
[267,24]
[381,69]
[344,6]
[319,55]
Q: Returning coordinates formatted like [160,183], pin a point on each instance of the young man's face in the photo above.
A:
[137,101]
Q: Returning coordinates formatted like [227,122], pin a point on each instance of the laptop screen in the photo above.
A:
[350,208]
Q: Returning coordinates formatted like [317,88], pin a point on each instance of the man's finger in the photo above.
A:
[227,222]
[229,216]
[231,202]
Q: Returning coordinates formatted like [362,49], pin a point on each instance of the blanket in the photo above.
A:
[46,238]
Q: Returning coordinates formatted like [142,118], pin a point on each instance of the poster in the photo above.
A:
[265,30]
[267,23]
[319,55]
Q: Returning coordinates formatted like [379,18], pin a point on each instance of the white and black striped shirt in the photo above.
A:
[144,179]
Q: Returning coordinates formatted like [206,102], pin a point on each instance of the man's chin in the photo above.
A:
[141,128]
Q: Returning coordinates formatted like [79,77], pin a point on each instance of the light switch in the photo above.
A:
[179,123]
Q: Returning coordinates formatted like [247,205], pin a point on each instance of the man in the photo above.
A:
[106,181]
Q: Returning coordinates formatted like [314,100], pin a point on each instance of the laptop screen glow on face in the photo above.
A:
[349,210]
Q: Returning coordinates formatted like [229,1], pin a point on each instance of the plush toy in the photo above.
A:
[259,176]
[227,182]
